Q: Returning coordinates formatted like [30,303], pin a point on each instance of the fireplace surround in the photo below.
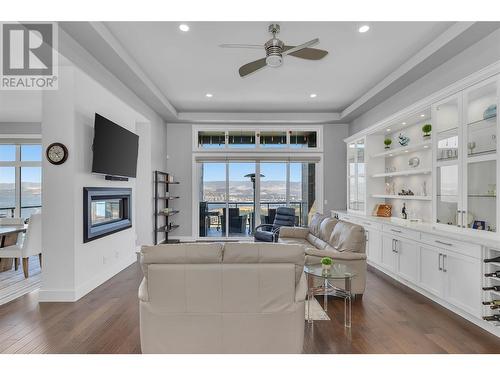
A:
[105,211]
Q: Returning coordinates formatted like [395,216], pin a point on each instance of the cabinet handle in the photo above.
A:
[395,246]
[444,269]
[439,262]
[443,243]
[395,231]
[459,219]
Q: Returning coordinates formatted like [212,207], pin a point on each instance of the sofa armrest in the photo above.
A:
[143,291]
[294,232]
[301,289]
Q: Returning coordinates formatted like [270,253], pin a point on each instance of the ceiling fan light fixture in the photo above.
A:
[274,60]
[363,29]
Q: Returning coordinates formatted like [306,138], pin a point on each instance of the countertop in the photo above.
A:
[484,238]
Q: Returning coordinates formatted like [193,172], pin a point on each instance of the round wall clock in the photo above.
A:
[57,153]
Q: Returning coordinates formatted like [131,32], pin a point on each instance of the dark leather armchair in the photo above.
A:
[285,217]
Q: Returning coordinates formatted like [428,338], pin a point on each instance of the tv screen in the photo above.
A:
[115,149]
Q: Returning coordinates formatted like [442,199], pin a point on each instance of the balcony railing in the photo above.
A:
[8,212]
[214,211]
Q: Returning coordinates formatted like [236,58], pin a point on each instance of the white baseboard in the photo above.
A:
[56,295]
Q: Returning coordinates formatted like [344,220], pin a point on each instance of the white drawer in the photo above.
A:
[402,232]
[461,247]
[349,218]
[370,224]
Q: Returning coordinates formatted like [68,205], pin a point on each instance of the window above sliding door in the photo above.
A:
[264,139]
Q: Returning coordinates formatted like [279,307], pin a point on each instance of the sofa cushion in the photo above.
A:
[332,253]
[294,241]
[197,253]
[262,252]
[326,228]
[315,223]
[296,232]
[348,237]
[316,241]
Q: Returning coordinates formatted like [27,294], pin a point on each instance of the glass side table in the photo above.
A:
[336,272]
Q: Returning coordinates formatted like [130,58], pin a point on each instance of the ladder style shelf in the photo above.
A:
[162,198]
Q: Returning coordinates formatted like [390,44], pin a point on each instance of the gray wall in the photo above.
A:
[179,146]
[474,58]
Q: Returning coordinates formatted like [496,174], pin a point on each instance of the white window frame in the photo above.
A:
[18,164]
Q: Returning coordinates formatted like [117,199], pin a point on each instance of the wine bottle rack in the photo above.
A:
[490,295]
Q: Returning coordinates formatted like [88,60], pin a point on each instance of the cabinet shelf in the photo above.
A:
[425,145]
[403,173]
[167,198]
[165,229]
[168,213]
[405,197]
[492,118]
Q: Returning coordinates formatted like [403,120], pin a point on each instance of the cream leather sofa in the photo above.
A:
[342,241]
[222,298]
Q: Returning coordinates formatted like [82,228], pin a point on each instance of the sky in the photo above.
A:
[28,153]
[237,171]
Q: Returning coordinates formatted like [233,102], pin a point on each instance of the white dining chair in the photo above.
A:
[32,244]
[11,221]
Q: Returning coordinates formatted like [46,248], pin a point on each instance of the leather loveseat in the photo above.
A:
[326,236]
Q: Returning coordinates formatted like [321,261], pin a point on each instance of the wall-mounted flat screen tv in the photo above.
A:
[115,149]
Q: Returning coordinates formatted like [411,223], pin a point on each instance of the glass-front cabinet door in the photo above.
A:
[466,166]
[480,145]
[356,178]
[446,117]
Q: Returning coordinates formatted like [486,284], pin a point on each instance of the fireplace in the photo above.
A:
[105,211]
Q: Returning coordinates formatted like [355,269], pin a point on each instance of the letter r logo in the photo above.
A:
[27,49]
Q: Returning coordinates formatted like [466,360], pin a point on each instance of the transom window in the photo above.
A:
[20,179]
[265,139]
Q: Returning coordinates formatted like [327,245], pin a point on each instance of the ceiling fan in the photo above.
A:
[276,50]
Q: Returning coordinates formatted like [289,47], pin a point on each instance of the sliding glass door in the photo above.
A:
[235,197]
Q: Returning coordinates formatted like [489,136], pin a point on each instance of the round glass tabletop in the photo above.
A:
[337,271]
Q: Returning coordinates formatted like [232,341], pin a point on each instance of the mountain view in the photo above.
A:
[242,191]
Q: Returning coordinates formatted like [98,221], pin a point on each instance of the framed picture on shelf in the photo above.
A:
[479,224]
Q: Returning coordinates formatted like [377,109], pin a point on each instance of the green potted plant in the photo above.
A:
[387,143]
[326,263]
[427,130]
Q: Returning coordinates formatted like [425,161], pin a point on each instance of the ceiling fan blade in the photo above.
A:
[254,46]
[252,67]
[302,46]
[307,53]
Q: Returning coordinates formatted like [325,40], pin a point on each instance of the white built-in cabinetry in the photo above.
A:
[447,182]
[448,270]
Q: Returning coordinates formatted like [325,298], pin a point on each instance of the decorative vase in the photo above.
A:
[387,147]
[403,140]
[427,135]
[326,267]
[490,112]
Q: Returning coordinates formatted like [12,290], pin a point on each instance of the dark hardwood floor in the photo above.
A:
[389,319]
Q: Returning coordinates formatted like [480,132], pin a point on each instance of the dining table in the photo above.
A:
[8,237]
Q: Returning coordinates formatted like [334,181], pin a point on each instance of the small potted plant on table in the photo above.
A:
[387,143]
[427,130]
[326,264]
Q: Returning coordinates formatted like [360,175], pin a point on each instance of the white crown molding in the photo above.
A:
[438,43]
[426,102]
[258,118]
[117,47]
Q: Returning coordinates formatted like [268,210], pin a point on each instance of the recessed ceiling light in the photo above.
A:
[403,123]
[390,154]
[209,95]
[422,115]
[313,95]
[426,146]
[364,29]
[183,27]
[406,150]
[388,129]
